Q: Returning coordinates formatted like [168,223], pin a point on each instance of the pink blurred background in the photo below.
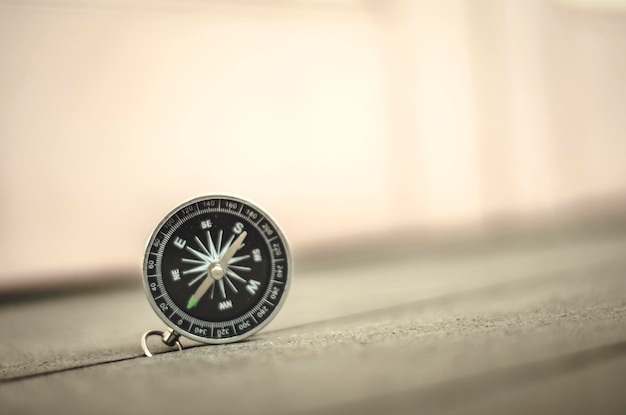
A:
[345,119]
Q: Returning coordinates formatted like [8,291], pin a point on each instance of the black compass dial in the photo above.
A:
[216,269]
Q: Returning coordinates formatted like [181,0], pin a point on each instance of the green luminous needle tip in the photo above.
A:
[192,302]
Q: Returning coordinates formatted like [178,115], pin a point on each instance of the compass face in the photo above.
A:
[217,269]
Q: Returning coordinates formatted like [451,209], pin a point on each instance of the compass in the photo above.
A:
[216,270]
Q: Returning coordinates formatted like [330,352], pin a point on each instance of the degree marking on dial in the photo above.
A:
[159,297]
[268,302]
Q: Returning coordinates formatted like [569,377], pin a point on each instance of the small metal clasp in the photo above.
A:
[169,338]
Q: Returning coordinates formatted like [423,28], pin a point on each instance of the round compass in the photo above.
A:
[216,270]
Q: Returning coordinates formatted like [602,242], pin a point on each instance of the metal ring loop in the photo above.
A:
[144,341]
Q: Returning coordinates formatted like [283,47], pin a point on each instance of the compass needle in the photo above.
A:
[216,272]
[192,302]
[227,245]
[194,266]
[198,278]
[202,289]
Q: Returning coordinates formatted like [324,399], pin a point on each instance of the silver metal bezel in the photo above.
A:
[273,312]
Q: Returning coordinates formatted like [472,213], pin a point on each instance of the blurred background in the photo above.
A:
[354,122]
